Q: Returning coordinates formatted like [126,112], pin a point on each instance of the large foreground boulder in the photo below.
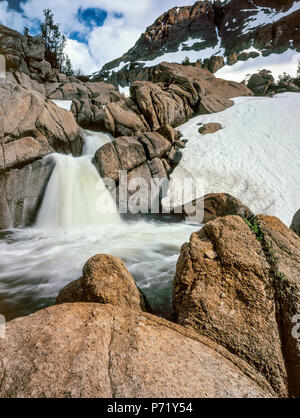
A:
[239,285]
[282,250]
[92,350]
[105,279]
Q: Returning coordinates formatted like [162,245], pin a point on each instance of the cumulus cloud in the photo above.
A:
[11,18]
[81,57]
[125,21]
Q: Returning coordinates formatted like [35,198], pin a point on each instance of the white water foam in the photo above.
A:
[35,263]
[75,191]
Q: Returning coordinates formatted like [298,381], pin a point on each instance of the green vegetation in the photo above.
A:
[55,43]
[186,61]
[289,79]
[255,228]
[280,278]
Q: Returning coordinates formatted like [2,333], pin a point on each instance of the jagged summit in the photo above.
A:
[206,29]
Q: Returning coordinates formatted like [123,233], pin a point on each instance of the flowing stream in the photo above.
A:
[77,220]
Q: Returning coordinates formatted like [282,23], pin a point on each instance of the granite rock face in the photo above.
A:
[31,127]
[105,280]
[295,226]
[241,289]
[21,192]
[172,97]
[25,54]
[140,166]
[213,206]
[92,350]
[87,98]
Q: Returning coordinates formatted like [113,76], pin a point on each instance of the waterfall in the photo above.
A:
[94,140]
[75,196]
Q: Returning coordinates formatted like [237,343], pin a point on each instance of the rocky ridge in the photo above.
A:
[229,28]
[25,54]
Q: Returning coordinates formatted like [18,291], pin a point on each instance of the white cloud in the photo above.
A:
[105,43]
[81,57]
[11,18]
[112,39]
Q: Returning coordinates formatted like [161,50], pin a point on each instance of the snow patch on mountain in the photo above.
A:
[125,90]
[265,15]
[181,55]
[277,63]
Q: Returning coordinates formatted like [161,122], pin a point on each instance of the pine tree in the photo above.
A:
[54,40]
[67,67]
[186,61]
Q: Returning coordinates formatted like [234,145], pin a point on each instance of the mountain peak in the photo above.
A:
[206,29]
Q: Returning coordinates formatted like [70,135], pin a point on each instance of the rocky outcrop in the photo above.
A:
[263,84]
[213,206]
[105,280]
[127,153]
[141,161]
[259,83]
[31,127]
[21,193]
[238,285]
[209,128]
[88,98]
[295,226]
[84,350]
[214,63]
[176,93]
[25,54]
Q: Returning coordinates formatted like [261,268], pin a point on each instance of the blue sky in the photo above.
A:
[97,30]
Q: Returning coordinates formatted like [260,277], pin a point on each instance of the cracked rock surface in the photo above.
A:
[242,291]
[93,350]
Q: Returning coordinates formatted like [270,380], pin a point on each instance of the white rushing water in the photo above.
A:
[254,157]
[75,193]
[35,263]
